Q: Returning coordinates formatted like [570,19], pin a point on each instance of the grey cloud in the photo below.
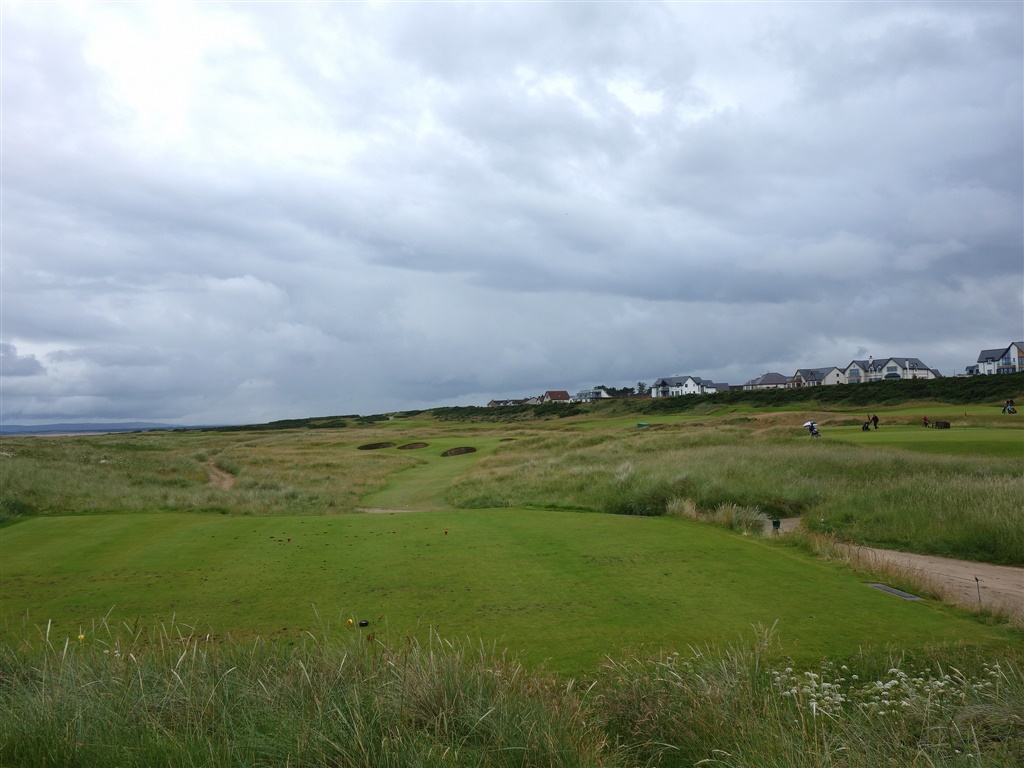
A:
[371,206]
[13,364]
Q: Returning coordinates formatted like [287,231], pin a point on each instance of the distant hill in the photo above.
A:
[991,390]
[44,429]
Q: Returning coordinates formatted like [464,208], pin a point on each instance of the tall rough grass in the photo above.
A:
[742,708]
[730,516]
[116,698]
[119,696]
[276,473]
[960,506]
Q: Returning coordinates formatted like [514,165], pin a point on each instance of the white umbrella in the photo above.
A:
[810,423]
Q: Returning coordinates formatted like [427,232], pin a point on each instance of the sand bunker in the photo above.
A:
[459,451]
[375,446]
[411,446]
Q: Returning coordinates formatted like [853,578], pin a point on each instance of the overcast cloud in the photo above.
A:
[232,212]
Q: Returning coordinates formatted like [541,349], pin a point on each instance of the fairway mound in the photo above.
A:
[375,446]
[459,451]
[412,446]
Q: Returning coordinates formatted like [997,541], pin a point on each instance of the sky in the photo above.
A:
[217,213]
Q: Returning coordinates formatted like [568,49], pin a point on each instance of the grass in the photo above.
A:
[996,442]
[423,485]
[557,588]
[734,708]
[177,699]
[108,699]
[278,473]
[962,505]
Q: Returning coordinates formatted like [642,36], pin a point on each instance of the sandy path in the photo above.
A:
[966,583]
[218,477]
[963,581]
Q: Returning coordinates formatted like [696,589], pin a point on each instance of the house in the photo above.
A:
[768,380]
[907,368]
[672,386]
[590,395]
[1005,360]
[861,371]
[520,401]
[816,377]
[555,396]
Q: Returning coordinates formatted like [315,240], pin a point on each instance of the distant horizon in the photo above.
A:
[122,425]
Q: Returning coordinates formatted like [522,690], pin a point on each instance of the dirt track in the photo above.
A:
[218,477]
[964,582]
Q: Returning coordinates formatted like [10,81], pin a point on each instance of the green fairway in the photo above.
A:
[958,440]
[423,485]
[561,588]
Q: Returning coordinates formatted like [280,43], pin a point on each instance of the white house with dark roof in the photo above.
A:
[817,377]
[862,371]
[1008,359]
[672,386]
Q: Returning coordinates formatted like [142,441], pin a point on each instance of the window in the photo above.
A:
[891,369]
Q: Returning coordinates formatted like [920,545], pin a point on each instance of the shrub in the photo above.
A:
[645,495]
[12,509]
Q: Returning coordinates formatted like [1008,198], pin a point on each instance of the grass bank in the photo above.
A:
[106,698]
